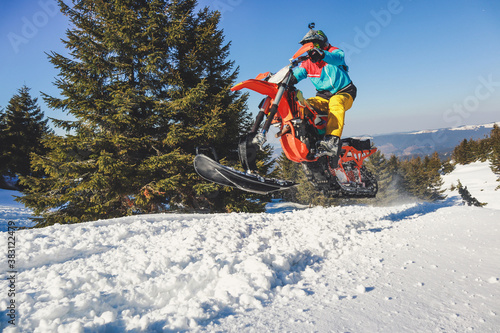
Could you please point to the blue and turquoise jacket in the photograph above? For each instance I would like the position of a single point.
(329, 74)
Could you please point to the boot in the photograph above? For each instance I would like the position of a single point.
(259, 139)
(330, 146)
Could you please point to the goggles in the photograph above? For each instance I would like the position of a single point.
(317, 45)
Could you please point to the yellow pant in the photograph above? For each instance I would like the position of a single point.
(336, 107)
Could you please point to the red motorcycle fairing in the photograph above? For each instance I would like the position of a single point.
(267, 89)
(262, 87)
(262, 76)
(295, 150)
(303, 49)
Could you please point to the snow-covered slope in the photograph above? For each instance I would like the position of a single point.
(480, 181)
(417, 267)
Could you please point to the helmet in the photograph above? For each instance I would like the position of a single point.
(315, 36)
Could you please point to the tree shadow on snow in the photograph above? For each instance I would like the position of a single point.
(420, 209)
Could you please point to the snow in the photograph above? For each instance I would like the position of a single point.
(411, 267)
(11, 210)
(480, 182)
(460, 128)
(423, 132)
(475, 127)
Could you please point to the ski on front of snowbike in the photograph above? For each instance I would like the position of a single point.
(227, 176)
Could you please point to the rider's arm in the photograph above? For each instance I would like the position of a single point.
(300, 73)
(336, 57)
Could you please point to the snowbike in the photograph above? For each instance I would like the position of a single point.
(300, 127)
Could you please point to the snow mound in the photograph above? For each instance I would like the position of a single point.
(174, 272)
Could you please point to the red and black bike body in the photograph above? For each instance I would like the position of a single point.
(300, 128)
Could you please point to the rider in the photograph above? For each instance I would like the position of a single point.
(327, 70)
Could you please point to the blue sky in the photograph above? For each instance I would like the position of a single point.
(417, 64)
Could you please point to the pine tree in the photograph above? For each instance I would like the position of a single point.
(467, 198)
(3, 150)
(483, 149)
(447, 167)
(305, 193)
(387, 175)
(432, 168)
(3, 133)
(286, 169)
(422, 178)
(465, 152)
(147, 82)
(22, 128)
(494, 156)
(414, 177)
(397, 180)
(474, 151)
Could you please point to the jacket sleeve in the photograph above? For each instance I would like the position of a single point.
(335, 57)
(300, 73)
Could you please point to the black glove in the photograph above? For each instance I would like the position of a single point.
(316, 54)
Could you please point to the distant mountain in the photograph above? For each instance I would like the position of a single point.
(426, 142)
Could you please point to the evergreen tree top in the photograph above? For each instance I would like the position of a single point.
(23, 114)
(23, 127)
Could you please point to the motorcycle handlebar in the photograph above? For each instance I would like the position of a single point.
(297, 61)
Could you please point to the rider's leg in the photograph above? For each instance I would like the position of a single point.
(318, 103)
(331, 144)
(337, 107)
